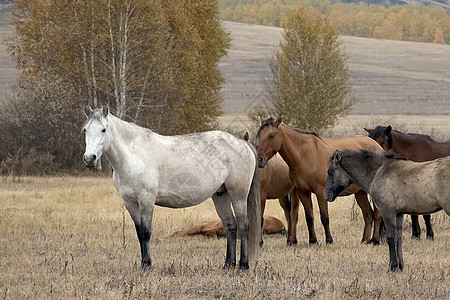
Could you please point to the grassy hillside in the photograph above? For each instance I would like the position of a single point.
(390, 77)
(432, 3)
(8, 73)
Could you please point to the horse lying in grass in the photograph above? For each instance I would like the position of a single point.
(271, 225)
(179, 171)
(307, 155)
(415, 147)
(398, 186)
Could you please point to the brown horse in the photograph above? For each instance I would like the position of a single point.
(307, 155)
(415, 147)
(271, 225)
(276, 184)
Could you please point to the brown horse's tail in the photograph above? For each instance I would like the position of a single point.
(254, 216)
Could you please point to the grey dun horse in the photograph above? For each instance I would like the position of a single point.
(397, 186)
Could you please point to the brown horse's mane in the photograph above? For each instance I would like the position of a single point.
(270, 122)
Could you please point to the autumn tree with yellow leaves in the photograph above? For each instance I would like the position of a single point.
(153, 62)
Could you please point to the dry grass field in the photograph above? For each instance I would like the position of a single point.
(70, 238)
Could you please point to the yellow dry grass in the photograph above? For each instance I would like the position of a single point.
(69, 237)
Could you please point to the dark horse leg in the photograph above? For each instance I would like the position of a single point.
(324, 217)
(367, 212)
(263, 208)
(285, 203)
(305, 197)
(400, 241)
(415, 227)
(430, 233)
(223, 208)
(390, 223)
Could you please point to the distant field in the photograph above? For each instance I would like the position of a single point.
(8, 73)
(389, 77)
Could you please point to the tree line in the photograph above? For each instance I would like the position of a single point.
(400, 22)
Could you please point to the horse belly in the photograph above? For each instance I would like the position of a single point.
(415, 201)
(183, 197)
(186, 191)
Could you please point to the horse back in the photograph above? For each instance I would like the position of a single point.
(313, 175)
(419, 147)
(412, 187)
(354, 143)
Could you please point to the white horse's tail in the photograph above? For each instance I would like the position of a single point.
(254, 216)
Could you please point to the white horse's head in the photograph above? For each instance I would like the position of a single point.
(96, 135)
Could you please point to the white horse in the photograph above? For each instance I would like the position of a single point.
(179, 171)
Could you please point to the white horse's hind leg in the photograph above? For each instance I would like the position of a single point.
(223, 208)
(240, 212)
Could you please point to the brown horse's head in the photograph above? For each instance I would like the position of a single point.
(268, 140)
(382, 135)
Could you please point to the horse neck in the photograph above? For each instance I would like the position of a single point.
(362, 172)
(121, 134)
(400, 142)
(292, 146)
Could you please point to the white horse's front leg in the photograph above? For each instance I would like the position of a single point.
(141, 212)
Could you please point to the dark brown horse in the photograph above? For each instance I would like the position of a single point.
(415, 147)
(307, 155)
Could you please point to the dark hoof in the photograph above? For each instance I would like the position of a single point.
(415, 236)
(145, 267)
(291, 242)
(313, 242)
(243, 266)
(229, 265)
(374, 242)
(396, 268)
(430, 237)
(329, 241)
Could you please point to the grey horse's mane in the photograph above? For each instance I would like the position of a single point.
(365, 154)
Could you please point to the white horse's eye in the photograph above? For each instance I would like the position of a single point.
(84, 129)
(104, 130)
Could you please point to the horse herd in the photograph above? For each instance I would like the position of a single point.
(286, 164)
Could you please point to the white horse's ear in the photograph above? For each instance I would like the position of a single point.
(246, 136)
(105, 110)
(388, 130)
(260, 120)
(87, 110)
(278, 121)
(369, 130)
(337, 156)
